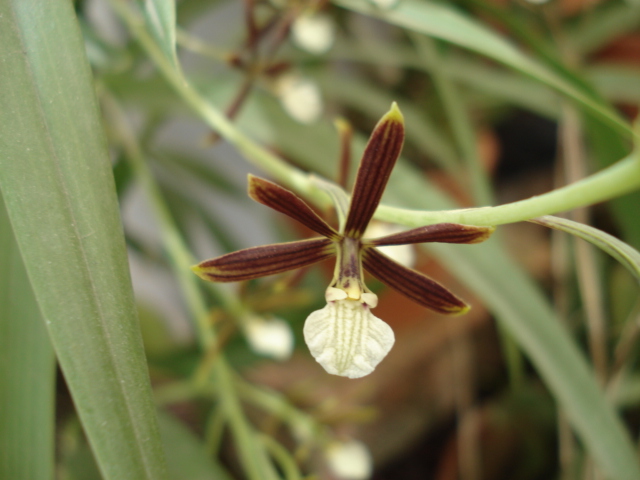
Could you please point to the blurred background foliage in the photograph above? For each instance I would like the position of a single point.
(502, 100)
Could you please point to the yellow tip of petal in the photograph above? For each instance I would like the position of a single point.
(394, 114)
(199, 271)
(460, 311)
(342, 125)
(488, 232)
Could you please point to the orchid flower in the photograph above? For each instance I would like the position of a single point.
(344, 336)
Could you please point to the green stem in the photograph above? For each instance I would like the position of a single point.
(214, 431)
(618, 179)
(282, 456)
(276, 404)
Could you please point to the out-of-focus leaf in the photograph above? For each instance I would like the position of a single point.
(184, 207)
(27, 371)
(609, 21)
(628, 256)
(626, 392)
(57, 183)
(608, 148)
(186, 456)
(499, 84)
(160, 17)
(191, 169)
(371, 100)
(445, 22)
(152, 94)
(618, 83)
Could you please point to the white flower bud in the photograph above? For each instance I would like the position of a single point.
(271, 337)
(347, 339)
(300, 97)
(313, 32)
(349, 460)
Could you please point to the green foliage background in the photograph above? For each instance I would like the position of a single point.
(65, 162)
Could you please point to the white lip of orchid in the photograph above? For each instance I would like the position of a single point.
(345, 337)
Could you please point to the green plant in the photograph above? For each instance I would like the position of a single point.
(64, 262)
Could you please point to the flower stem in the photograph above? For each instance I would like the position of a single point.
(618, 179)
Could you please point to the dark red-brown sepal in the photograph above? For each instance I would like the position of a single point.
(439, 232)
(380, 155)
(266, 260)
(284, 201)
(414, 285)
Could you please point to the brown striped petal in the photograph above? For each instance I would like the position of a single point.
(265, 260)
(416, 286)
(284, 201)
(440, 232)
(380, 155)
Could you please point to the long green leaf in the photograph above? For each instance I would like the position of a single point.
(160, 17)
(628, 256)
(57, 183)
(27, 371)
(449, 24)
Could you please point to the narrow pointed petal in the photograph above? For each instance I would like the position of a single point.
(284, 201)
(380, 155)
(258, 262)
(416, 286)
(440, 232)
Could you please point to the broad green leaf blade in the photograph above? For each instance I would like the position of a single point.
(27, 371)
(160, 17)
(58, 187)
(628, 256)
(449, 24)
